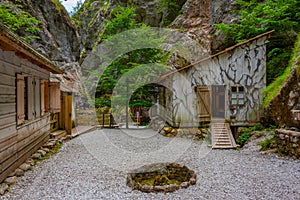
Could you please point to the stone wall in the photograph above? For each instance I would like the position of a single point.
(86, 117)
(287, 142)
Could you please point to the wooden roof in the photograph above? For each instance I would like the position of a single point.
(217, 54)
(9, 41)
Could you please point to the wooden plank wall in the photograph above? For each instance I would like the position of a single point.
(17, 143)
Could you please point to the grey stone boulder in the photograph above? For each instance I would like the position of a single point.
(10, 180)
(25, 166)
(36, 156)
(46, 150)
(30, 161)
(19, 172)
(42, 152)
(49, 145)
(3, 188)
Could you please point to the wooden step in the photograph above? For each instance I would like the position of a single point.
(221, 136)
(58, 134)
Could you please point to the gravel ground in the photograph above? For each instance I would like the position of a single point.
(94, 166)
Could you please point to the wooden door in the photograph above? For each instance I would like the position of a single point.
(218, 101)
(204, 108)
(67, 113)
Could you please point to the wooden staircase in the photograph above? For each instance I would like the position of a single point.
(221, 136)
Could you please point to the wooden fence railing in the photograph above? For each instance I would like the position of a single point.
(106, 120)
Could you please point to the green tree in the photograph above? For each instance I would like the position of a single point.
(123, 20)
(256, 17)
(169, 9)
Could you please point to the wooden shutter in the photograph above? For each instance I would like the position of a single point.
(20, 99)
(30, 98)
(42, 92)
(55, 104)
(204, 108)
(46, 102)
(37, 96)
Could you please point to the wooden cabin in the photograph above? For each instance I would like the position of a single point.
(24, 100)
(223, 90)
(62, 104)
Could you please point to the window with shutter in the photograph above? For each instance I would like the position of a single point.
(44, 93)
(54, 97)
(20, 99)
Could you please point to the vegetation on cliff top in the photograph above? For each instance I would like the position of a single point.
(257, 17)
(273, 89)
(19, 21)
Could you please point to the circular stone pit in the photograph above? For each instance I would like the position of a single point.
(161, 177)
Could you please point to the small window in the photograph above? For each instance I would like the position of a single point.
(237, 96)
(241, 89)
(233, 89)
(28, 98)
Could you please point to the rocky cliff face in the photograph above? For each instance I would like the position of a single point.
(64, 42)
(58, 36)
(197, 20)
(90, 18)
(283, 109)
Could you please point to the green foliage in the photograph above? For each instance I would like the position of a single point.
(52, 151)
(247, 133)
(170, 9)
(123, 20)
(256, 17)
(243, 138)
(18, 20)
(58, 6)
(273, 89)
(295, 61)
(268, 143)
(85, 8)
(76, 8)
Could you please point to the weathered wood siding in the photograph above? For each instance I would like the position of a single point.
(17, 143)
(244, 65)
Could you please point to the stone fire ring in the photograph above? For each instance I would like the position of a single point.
(185, 176)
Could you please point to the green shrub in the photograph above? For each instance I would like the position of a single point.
(243, 138)
(268, 143)
(19, 21)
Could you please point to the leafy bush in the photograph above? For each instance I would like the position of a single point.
(243, 138)
(170, 9)
(257, 17)
(247, 133)
(273, 89)
(18, 20)
(268, 143)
